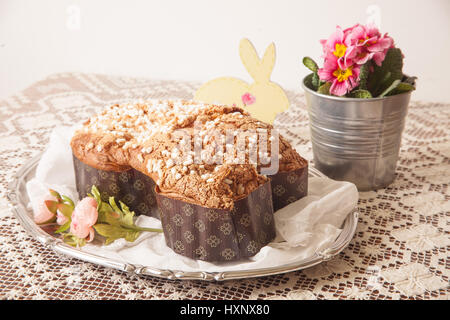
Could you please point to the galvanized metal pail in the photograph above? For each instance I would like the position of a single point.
(357, 140)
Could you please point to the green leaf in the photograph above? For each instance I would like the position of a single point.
(103, 209)
(113, 205)
(51, 205)
(410, 80)
(131, 235)
(70, 240)
(364, 73)
(360, 93)
(114, 232)
(325, 88)
(384, 82)
(390, 70)
(393, 62)
(310, 64)
(127, 216)
(390, 88)
(402, 87)
(315, 81)
(68, 201)
(73, 240)
(308, 82)
(95, 192)
(112, 218)
(63, 228)
(110, 231)
(96, 195)
(110, 240)
(66, 210)
(55, 194)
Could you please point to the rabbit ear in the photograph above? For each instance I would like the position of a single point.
(267, 62)
(260, 70)
(249, 57)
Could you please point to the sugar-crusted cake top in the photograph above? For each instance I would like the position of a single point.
(206, 154)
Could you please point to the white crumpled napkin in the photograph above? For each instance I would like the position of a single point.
(304, 227)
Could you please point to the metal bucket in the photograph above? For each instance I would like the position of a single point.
(357, 140)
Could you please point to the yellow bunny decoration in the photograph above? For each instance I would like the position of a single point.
(263, 98)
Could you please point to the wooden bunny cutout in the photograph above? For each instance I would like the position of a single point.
(263, 98)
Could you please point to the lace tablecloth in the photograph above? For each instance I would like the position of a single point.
(400, 249)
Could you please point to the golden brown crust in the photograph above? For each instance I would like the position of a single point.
(150, 138)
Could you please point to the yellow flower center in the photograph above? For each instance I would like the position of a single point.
(362, 40)
(339, 50)
(342, 75)
(368, 43)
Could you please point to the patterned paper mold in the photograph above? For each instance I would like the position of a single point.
(195, 231)
(131, 186)
(216, 234)
(288, 187)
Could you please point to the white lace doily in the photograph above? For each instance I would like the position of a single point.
(400, 250)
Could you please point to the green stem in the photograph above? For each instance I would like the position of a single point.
(136, 228)
(149, 229)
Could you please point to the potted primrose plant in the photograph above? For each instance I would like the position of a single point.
(357, 104)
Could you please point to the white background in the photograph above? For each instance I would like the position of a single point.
(198, 39)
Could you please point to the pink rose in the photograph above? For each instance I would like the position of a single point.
(41, 213)
(248, 98)
(84, 216)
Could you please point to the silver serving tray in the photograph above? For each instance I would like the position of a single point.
(19, 200)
